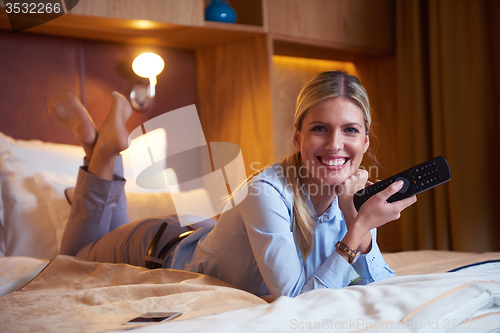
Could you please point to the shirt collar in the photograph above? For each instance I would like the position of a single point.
(332, 211)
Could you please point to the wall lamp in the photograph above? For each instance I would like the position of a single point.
(147, 65)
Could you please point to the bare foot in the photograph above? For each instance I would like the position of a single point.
(68, 109)
(112, 138)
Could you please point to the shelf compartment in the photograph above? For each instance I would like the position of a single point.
(249, 13)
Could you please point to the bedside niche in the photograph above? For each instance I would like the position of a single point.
(248, 12)
(289, 74)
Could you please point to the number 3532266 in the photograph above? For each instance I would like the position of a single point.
(33, 8)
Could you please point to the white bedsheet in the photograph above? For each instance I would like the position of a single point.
(464, 301)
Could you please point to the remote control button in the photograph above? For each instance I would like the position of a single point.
(406, 184)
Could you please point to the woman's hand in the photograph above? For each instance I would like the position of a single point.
(374, 213)
(345, 192)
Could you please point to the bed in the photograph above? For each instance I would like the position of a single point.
(43, 291)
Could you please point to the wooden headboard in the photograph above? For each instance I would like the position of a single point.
(34, 67)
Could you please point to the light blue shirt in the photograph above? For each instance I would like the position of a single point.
(252, 246)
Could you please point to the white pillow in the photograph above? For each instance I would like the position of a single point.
(24, 216)
(27, 226)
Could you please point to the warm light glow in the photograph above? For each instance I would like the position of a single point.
(144, 24)
(308, 65)
(148, 65)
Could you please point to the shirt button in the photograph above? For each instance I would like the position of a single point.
(373, 259)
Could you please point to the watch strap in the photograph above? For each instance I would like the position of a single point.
(351, 254)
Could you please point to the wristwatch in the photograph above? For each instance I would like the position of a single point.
(350, 253)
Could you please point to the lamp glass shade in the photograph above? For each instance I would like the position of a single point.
(148, 65)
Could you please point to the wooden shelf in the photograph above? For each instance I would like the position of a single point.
(141, 31)
(302, 47)
(350, 34)
(234, 27)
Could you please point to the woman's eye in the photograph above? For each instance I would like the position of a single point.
(318, 129)
(351, 130)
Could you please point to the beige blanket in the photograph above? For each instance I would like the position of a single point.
(71, 295)
(78, 296)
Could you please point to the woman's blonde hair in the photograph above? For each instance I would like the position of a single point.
(326, 85)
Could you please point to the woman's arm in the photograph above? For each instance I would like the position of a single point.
(268, 222)
(345, 193)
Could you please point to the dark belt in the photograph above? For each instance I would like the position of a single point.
(157, 262)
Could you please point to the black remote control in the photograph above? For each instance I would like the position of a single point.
(415, 180)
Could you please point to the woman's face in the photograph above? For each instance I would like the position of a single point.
(332, 140)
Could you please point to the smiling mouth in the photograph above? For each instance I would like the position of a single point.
(333, 161)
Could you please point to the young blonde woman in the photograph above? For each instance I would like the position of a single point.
(296, 230)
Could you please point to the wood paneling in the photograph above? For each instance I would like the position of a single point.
(366, 24)
(89, 69)
(188, 12)
(26, 84)
(235, 98)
